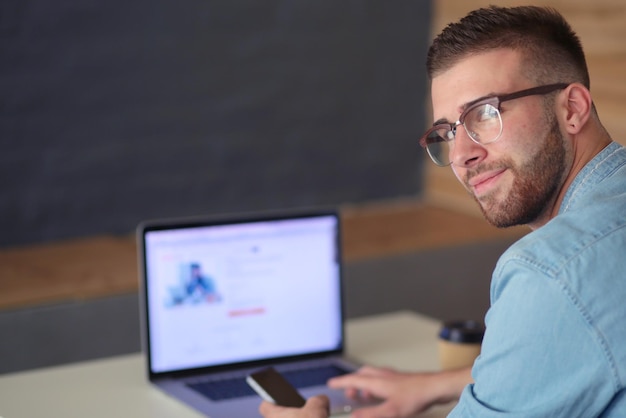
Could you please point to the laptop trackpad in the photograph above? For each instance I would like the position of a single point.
(339, 403)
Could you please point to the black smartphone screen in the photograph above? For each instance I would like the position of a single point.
(273, 387)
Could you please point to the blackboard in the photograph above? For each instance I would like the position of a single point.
(117, 111)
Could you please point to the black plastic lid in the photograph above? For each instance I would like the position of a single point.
(462, 332)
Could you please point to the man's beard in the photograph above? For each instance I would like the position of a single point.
(534, 186)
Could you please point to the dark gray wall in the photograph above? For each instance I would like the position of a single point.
(117, 111)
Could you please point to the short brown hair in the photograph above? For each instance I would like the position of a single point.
(551, 49)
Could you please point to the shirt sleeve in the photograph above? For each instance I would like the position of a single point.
(541, 355)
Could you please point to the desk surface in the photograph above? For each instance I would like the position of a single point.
(117, 387)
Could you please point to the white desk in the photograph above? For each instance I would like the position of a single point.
(117, 387)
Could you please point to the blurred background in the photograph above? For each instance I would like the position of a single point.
(114, 113)
(120, 112)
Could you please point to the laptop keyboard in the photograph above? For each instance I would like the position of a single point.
(217, 390)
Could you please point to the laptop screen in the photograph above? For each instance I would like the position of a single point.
(225, 293)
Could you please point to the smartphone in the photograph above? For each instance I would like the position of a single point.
(273, 387)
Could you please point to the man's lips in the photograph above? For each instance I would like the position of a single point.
(482, 181)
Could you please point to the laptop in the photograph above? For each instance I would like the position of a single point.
(223, 297)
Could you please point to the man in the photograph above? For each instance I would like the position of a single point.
(200, 288)
(530, 148)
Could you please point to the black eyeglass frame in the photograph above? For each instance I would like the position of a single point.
(494, 101)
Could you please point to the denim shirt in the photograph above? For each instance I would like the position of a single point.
(555, 344)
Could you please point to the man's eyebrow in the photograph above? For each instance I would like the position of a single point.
(444, 121)
(480, 99)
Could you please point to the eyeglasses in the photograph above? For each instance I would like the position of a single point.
(481, 120)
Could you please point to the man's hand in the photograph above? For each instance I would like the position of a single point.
(315, 407)
(402, 394)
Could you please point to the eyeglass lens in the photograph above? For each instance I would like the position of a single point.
(482, 123)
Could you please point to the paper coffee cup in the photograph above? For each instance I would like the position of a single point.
(459, 343)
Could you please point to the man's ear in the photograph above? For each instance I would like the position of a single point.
(576, 107)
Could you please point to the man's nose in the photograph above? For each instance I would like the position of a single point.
(465, 151)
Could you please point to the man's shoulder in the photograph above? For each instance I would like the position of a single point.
(601, 181)
(595, 232)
